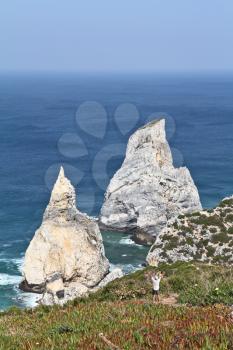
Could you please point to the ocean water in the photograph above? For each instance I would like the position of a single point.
(50, 119)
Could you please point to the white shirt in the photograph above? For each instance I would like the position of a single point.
(156, 281)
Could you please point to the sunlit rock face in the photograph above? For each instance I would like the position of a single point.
(66, 257)
(148, 191)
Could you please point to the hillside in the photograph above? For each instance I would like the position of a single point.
(122, 315)
(205, 236)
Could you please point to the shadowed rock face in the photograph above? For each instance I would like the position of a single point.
(66, 256)
(148, 191)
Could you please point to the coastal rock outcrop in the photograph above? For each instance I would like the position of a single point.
(205, 236)
(66, 257)
(148, 191)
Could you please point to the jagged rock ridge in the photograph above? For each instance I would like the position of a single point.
(204, 236)
(148, 191)
(66, 257)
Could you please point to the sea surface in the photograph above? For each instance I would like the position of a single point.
(83, 122)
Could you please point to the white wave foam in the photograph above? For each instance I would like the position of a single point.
(6, 279)
(20, 240)
(6, 245)
(29, 300)
(19, 263)
(95, 218)
(25, 299)
(128, 241)
(126, 268)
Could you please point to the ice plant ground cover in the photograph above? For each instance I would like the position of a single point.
(122, 316)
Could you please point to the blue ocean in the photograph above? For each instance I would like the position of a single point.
(83, 122)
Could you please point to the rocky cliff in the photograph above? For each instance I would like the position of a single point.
(148, 191)
(65, 258)
(204, 236)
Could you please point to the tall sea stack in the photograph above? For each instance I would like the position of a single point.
(148, 191)
(66, 257)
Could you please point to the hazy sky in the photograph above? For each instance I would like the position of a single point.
(116, 35)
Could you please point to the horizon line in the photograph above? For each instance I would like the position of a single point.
(123, 71)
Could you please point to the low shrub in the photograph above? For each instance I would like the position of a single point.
(171, 243)
(210, 250)
(226, 203)
(220, 238)
(213, 220)
(229, 218)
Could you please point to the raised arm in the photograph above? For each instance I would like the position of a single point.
(152, 278)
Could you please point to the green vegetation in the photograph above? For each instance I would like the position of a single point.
(226, 203)
(213, 229)
(229, 218)
(171, 243)
(175, 225)
(210, 250)
(189, 241)
(206, 230)
(124, 313)
(185, 229)
(220, 238)
(206, 221)
(190, 215)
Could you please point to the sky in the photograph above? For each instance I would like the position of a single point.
(120, 35)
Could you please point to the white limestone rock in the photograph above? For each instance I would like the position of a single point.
(148, 191)
(113, 275)
(71, 291)
(66, 256)
(75, 289)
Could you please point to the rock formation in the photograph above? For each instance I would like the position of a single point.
(148, 191)
(65, 258)
(204, 236)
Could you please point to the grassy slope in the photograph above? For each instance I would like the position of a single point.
(124, 313)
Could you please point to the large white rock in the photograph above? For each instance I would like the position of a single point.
(66, 256)
(148, 191)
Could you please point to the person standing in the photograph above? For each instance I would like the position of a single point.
(156, 286)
